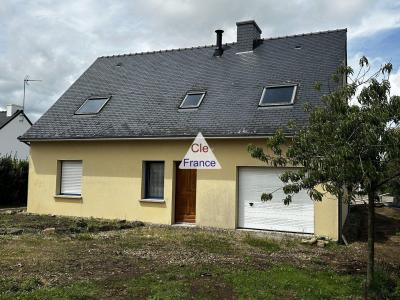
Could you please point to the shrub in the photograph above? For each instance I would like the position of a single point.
(13, 181)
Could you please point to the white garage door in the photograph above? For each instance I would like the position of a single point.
(298, 216)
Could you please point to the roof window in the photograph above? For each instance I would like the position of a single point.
(278, 95)
(92, 105)
(192, 100)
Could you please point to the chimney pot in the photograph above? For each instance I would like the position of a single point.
(219, 50)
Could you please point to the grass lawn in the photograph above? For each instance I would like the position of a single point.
(93, 259)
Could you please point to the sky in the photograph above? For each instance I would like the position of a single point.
(56, 41)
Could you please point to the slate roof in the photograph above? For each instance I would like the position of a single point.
(147, 89)
(3, 118)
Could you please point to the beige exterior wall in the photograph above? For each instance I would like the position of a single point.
(112, 182)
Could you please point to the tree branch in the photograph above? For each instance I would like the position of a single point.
(388, 179)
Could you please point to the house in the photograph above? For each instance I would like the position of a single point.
(13, 123)
(110, 147)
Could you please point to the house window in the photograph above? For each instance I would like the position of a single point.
(92, 106)
(154, 180)
(278, 95)
(192, 100)
(70, 177)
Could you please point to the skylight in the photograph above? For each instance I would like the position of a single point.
(192, 100)
(92, 105)
(278, 95)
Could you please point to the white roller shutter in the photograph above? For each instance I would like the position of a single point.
(271, 215)
(71, 177)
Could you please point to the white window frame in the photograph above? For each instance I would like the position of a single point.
(203, 93)
(60, 187)
(93, 98)
(260, 104)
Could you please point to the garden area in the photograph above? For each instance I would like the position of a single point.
(50, 257)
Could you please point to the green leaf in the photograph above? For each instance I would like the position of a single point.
(266, 197)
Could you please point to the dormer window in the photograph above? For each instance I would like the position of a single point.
(92, 105)
(278, 95)
(192, 100)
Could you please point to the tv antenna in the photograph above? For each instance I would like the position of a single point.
(26, 82)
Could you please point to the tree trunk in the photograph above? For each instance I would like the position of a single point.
(371, 239)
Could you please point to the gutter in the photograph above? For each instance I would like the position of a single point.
(142, 138)
(26, 143)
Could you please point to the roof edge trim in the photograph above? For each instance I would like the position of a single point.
(22, 139)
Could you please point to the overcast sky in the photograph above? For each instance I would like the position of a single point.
(56, 41)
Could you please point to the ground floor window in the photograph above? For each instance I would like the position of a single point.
(70, 177)
(154, 180)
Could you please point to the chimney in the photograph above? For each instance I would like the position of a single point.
(248, 35)
(12, 109)
(219, 50)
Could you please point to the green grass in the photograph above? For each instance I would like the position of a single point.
(281, 282)
(186, 282)
(385, 286)
(31, 290)
(278, 282)
(152, 262)
(396, 292)
(265, 244)
(160, 285)
(27, 285)
(208, 242)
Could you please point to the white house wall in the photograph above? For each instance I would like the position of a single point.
(9, 144)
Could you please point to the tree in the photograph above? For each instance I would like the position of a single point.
(346, 147)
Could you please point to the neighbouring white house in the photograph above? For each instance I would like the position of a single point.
(13, 123)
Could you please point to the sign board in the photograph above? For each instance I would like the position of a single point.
(199, 156)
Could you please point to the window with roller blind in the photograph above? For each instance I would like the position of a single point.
(70, 177)
(154, 180)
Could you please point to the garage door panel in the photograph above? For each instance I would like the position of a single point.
(272, 215)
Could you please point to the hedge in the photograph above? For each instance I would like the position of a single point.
(13, 181)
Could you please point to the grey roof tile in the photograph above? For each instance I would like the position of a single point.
(147, 89)
(3, 118)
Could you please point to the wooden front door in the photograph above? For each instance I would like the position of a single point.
(185, 195)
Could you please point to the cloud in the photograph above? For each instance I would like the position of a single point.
(57, 40)
(395, 83)
(376, 23)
